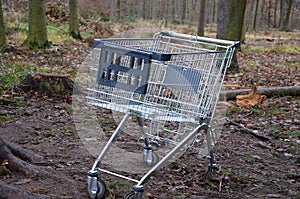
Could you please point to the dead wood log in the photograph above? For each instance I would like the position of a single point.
(269, 92)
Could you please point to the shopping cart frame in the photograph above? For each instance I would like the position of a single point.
(95, 185)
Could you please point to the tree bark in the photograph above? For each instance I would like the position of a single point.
(255, 15)
(37, 31)
(201, 21)
(269, 92)
(112, 12)
(2, 28)
(74, 25)
(285, 25)
(231, 14)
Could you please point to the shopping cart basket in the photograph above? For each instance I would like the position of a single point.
(170, 83)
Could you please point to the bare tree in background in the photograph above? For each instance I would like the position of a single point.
(2, 28)
(286, 21)
(201, 21)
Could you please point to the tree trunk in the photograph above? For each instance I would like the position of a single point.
(37, 31)
(262, 13)
(74, 25)
(166, 14)
(285, 25)
(231, 19)
(281, 13)
(275, 14)
(182, 10)
(269, 13)
(2, 29)
(118, 9)
(112, 12)
(255, 15)
(231, 14)
(201, 21)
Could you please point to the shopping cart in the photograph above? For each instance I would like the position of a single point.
(170, 83)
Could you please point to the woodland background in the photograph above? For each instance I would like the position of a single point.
(41, 154)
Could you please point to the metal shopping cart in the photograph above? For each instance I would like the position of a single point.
(170, 83)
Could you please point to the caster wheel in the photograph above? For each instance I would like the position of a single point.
(101, 190)
(151, 159)
(130, 195)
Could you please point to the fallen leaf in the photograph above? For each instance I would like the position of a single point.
(251, 99)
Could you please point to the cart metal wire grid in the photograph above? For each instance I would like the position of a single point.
(170, 83)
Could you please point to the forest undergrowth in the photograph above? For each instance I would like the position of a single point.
(248, 167)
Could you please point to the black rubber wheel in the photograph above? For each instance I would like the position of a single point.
(101, 189)
(130, 195)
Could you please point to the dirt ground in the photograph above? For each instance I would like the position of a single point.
(248, 166)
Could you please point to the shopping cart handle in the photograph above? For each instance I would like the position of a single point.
(204, 39)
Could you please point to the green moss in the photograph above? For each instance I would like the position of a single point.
(284, 49)
(69, 128)
(48, 133)
(4, 118)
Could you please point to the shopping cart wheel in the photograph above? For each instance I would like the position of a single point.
(101, 189)
(150, 158)
(130, 195)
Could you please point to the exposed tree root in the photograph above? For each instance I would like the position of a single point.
(18, 160)
(11, 192)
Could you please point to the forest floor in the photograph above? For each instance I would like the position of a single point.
(248, 167)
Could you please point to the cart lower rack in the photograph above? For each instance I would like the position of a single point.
(170, 83)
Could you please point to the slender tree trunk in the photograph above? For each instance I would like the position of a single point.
(154, 10)
(262, 13)
(144, 9)
(269, 13)
(112, 12)
(281, 13)
(74, 25)
(285, 25)
(37, 30)
(275, 14)
(166, 14)
(173, 9)
(2, 28)
(255, 15)
(201, 21)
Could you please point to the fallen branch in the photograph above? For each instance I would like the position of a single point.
(269, 92)
(252, 132)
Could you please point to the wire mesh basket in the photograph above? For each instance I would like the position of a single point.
(171, 81)
(164, 78)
